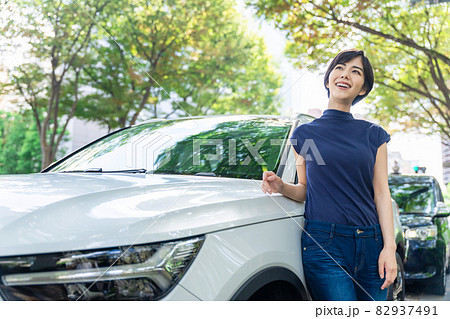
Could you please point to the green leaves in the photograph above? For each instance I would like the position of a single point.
(197, 57)
(406, 44)
(168, 58)
(20, 150)
(54, 36)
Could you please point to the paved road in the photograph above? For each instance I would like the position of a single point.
(419, 292)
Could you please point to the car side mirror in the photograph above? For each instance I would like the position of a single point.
(441, 205)
(440, 208)
(440, 215)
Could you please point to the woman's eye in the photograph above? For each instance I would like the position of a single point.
(357, 72)
(338, 68)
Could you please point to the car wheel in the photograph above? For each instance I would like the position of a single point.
(396, 291)
(447, 270)
(440, 283)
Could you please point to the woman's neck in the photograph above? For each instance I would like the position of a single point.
(339, 106)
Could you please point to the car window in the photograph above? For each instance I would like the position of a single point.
(439, 193)
(225, 146)
(413, 197)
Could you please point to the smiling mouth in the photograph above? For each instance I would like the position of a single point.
(343, 85)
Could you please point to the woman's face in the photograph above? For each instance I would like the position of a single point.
(346, 80)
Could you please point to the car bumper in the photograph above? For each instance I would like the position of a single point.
(230, 260)
(178, 293)
(424, 259)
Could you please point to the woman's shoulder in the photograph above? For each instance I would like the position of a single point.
(314, 123)
(376, 132)
(369, 124)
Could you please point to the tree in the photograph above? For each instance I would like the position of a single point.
(407, 44)
(19, 144)
(196, 56)
(115, 88)
(57, 33)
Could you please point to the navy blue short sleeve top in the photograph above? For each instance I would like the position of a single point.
(340, 153)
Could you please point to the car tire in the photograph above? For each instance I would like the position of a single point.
(447, 269)
(396, 291)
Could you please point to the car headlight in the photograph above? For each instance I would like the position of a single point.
(421, 233)
(144, 272)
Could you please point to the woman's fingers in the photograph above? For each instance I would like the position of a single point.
(265, 187)
(381, 268)
(387, 268)
(267, 190)
(267, 179)
(266, 174)
(271, 182)
(391, 274)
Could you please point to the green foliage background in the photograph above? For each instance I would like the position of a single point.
(19, 144)
(120, 62)
(407, 43)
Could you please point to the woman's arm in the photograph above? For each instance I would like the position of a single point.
(387, 265)
(273, 184)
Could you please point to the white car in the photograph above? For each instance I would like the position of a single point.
(164, 210)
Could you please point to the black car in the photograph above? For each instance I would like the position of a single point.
(425, 221)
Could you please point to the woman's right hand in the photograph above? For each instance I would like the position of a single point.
(271, 183)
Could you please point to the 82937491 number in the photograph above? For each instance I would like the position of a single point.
(406, 310)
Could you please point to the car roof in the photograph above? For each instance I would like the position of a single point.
(235, 116)
(416, 177)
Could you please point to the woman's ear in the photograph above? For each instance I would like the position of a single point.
(362, 91)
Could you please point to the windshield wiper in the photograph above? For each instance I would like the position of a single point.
(205, 174)
(100, 170)
(414, 212)
(418, 192)
(182, 173)
(132, 171)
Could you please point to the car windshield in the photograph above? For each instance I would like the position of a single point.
(240, 147)
(413, 197)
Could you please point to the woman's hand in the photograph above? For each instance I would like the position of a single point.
(387, 266)
(271, 183)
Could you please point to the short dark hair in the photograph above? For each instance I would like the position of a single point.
(344, 57)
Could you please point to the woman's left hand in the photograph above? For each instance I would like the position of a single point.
(387, 267)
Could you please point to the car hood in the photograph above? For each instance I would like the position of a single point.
(412, 220)
(41, 213)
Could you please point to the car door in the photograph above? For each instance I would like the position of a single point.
(443, 223)
(287, 169)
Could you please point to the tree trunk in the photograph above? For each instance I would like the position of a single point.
(48, 156)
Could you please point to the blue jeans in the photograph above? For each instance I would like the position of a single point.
(345, 265)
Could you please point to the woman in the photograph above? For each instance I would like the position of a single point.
(348, 246)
